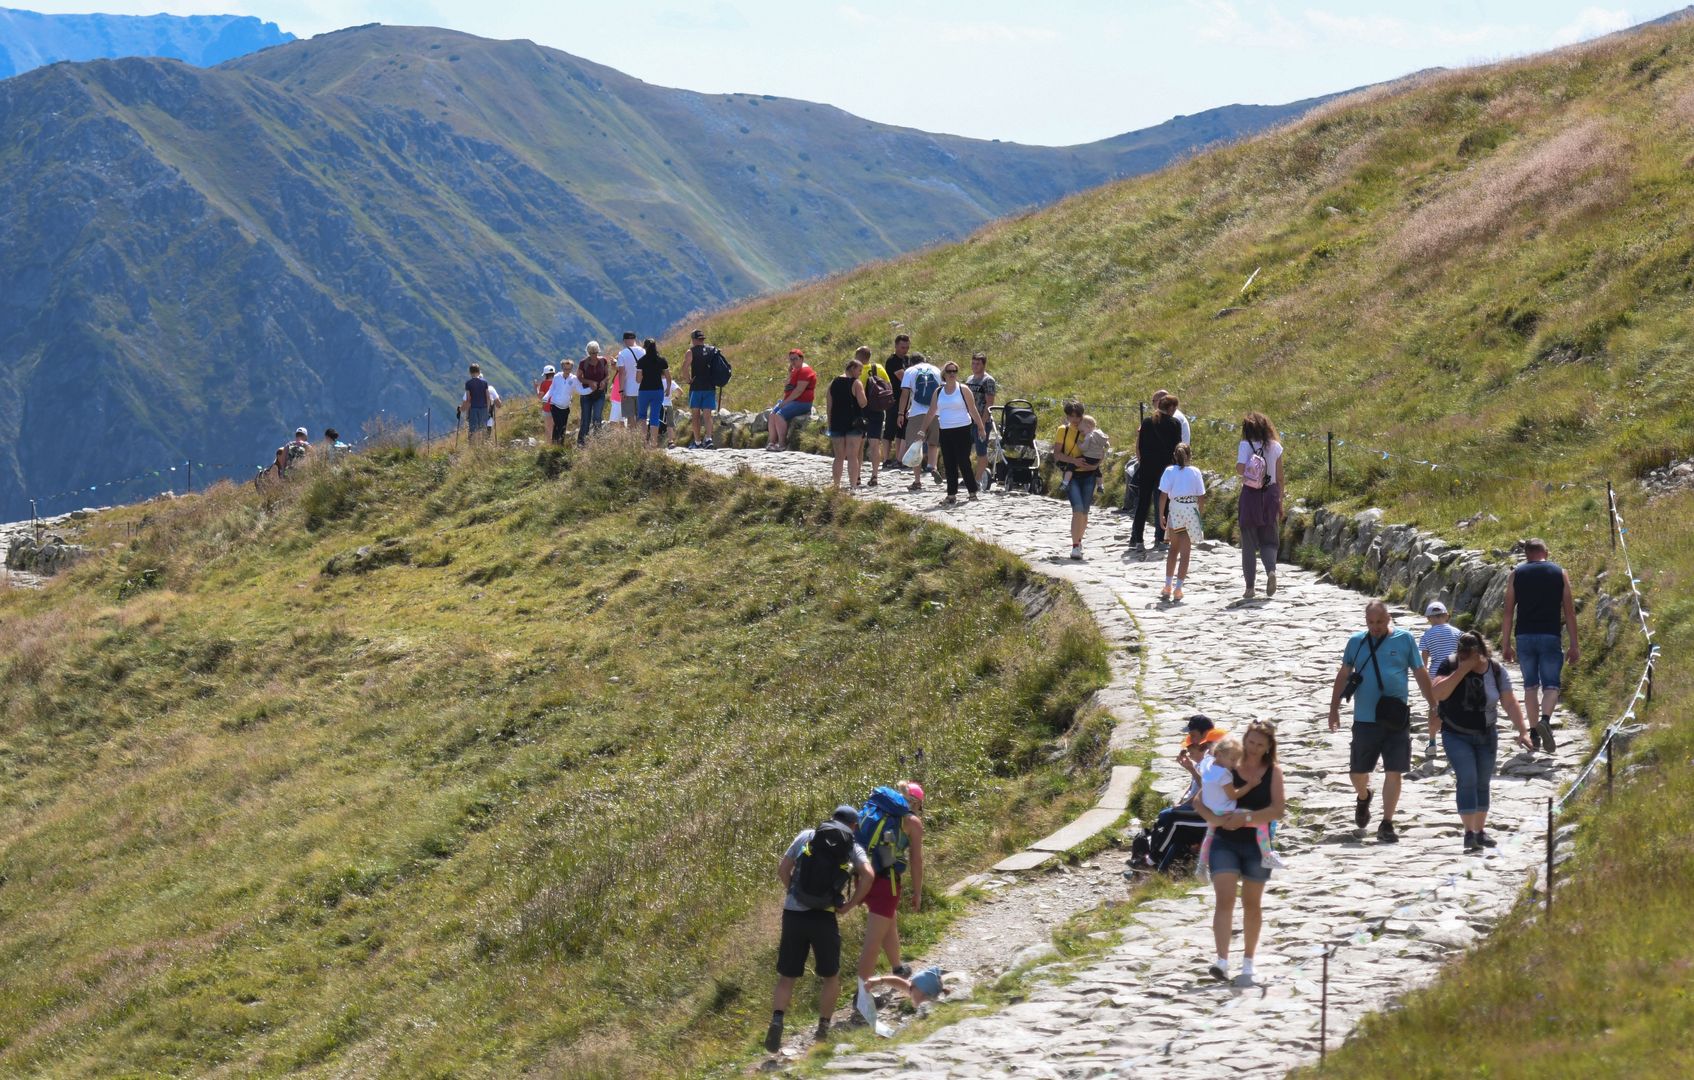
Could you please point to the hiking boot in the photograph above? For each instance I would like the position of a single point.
(1176, 594)
(1483, 840)
(1361, 810)
(1544, 728)
(773, 1035)
(822, 1033)
(1165, 593)
(1385, 833)
(1270, 584)
(1470, 842)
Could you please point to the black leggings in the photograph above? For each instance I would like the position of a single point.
(561, 424)
(956, 445)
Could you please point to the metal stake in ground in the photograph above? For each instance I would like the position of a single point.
(1612, 513)
(1323, 1009)
(1331, 450)
(1549, 858)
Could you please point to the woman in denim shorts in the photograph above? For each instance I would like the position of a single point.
(1235, 857)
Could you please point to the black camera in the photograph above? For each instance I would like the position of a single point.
(1353, 682)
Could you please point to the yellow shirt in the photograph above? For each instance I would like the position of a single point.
(873, 368)
(1068, 441)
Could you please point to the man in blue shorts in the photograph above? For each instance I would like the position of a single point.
(1383, 659)
(1539, 604)
(702, 392)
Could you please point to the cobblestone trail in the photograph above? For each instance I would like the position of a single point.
(1145, 1007)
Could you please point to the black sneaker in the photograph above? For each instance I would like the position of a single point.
(1361, 810)
(904, 971)
(1483, 840)
(773, 1035)
(1545, 730)
(822, 1033)
(709, 445)
(1385, 833)
(1535, 736)
(1470, 842)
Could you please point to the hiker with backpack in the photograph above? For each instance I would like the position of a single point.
(595, 373)
(880, 404)
(1376, 669)
(918, 386)
(1155, 447)
(293, 452)
(630, 381)
(825, 873)
(1470, 690)
(846, 424)
(891, 832)
(1258, 461)
(796, 399)
(894, 427)
(707, 372)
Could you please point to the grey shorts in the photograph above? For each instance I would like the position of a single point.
(629, 407)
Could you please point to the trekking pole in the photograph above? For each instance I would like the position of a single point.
(1323, 1009)
(1612, 513)
(35, 523)
(1549, 858)
(1608, 768)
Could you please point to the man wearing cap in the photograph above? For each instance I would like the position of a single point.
(814, 931)
(630, 378)
(702, 392)
(796, 399)
(1179, 828)
(293, 452)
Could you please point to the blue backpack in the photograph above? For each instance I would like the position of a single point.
(879, 831)
(924, 386)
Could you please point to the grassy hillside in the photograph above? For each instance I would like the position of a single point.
(505, 792)
(1491, 270)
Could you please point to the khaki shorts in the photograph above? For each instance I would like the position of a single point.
(932, 437)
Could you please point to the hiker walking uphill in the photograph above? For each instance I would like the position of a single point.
(796, 400)
(1471, 688)
(1375, 669)
(1539, 604)
(564, 389)
(706, 372)
(1258, 461)
(891, 832)
(595, 373)
(825, 873)
(918, 384)
(1155, 447)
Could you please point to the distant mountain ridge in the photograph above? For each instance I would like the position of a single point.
(29, 39)
(193, 261)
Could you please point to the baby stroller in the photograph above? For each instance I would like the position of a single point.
(1011, 449)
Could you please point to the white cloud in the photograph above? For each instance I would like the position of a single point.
(1592, 22)
(1222, 21)
(992, 33)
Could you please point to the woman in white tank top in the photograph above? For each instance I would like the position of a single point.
(956, 415)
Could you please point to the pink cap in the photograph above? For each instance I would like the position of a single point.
(914, 791)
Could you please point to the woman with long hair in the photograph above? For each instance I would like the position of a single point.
(1470, 689)
(846, 425)
(1182, 497)
(1235, 860)
(1258, 461)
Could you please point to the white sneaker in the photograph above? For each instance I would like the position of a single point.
(1076, 551)
(1274, 861)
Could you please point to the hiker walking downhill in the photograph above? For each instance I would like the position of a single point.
(825, 874)
(984, 388)
(1155, 446)
(1182, 494)
(564, 389)
(650, 369)
(958, 420)
(595, 373)
(891, 832)
(881, 403)
(1235, 858)
(1539, 604)
(1258, 461)
(796, 400)
(1470, 688)
(846, 424)
(1376, 667)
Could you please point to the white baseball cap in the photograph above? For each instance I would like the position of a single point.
(548, 370)
(1435, 607)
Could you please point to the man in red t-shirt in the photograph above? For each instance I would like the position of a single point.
(796, 399)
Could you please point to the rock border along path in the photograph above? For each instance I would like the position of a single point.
(1394, 912)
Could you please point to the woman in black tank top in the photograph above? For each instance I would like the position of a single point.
(1235, 860)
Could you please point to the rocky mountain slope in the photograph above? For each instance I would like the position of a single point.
(29, 39)
(194, 261)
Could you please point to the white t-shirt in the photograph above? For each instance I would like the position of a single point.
(1180, 480)
(1272, 452)
(627, 356)
(1183, 420)
(909, 381)
(1213, 778)
(563, 390)
(668, 387)
(954, 412)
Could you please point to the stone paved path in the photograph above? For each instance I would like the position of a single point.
(1146, 1008)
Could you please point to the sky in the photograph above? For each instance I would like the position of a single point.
(1055, 73)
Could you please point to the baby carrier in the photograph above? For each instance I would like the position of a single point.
(1016, 461)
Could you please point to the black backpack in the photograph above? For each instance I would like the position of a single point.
(717, 366)
(825, 868)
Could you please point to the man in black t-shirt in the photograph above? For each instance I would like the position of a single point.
(896, 433)
(702, 394)
(1155, 449)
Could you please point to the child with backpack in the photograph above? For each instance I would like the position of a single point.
(826, 873)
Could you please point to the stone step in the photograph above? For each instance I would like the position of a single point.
(1084, 828)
